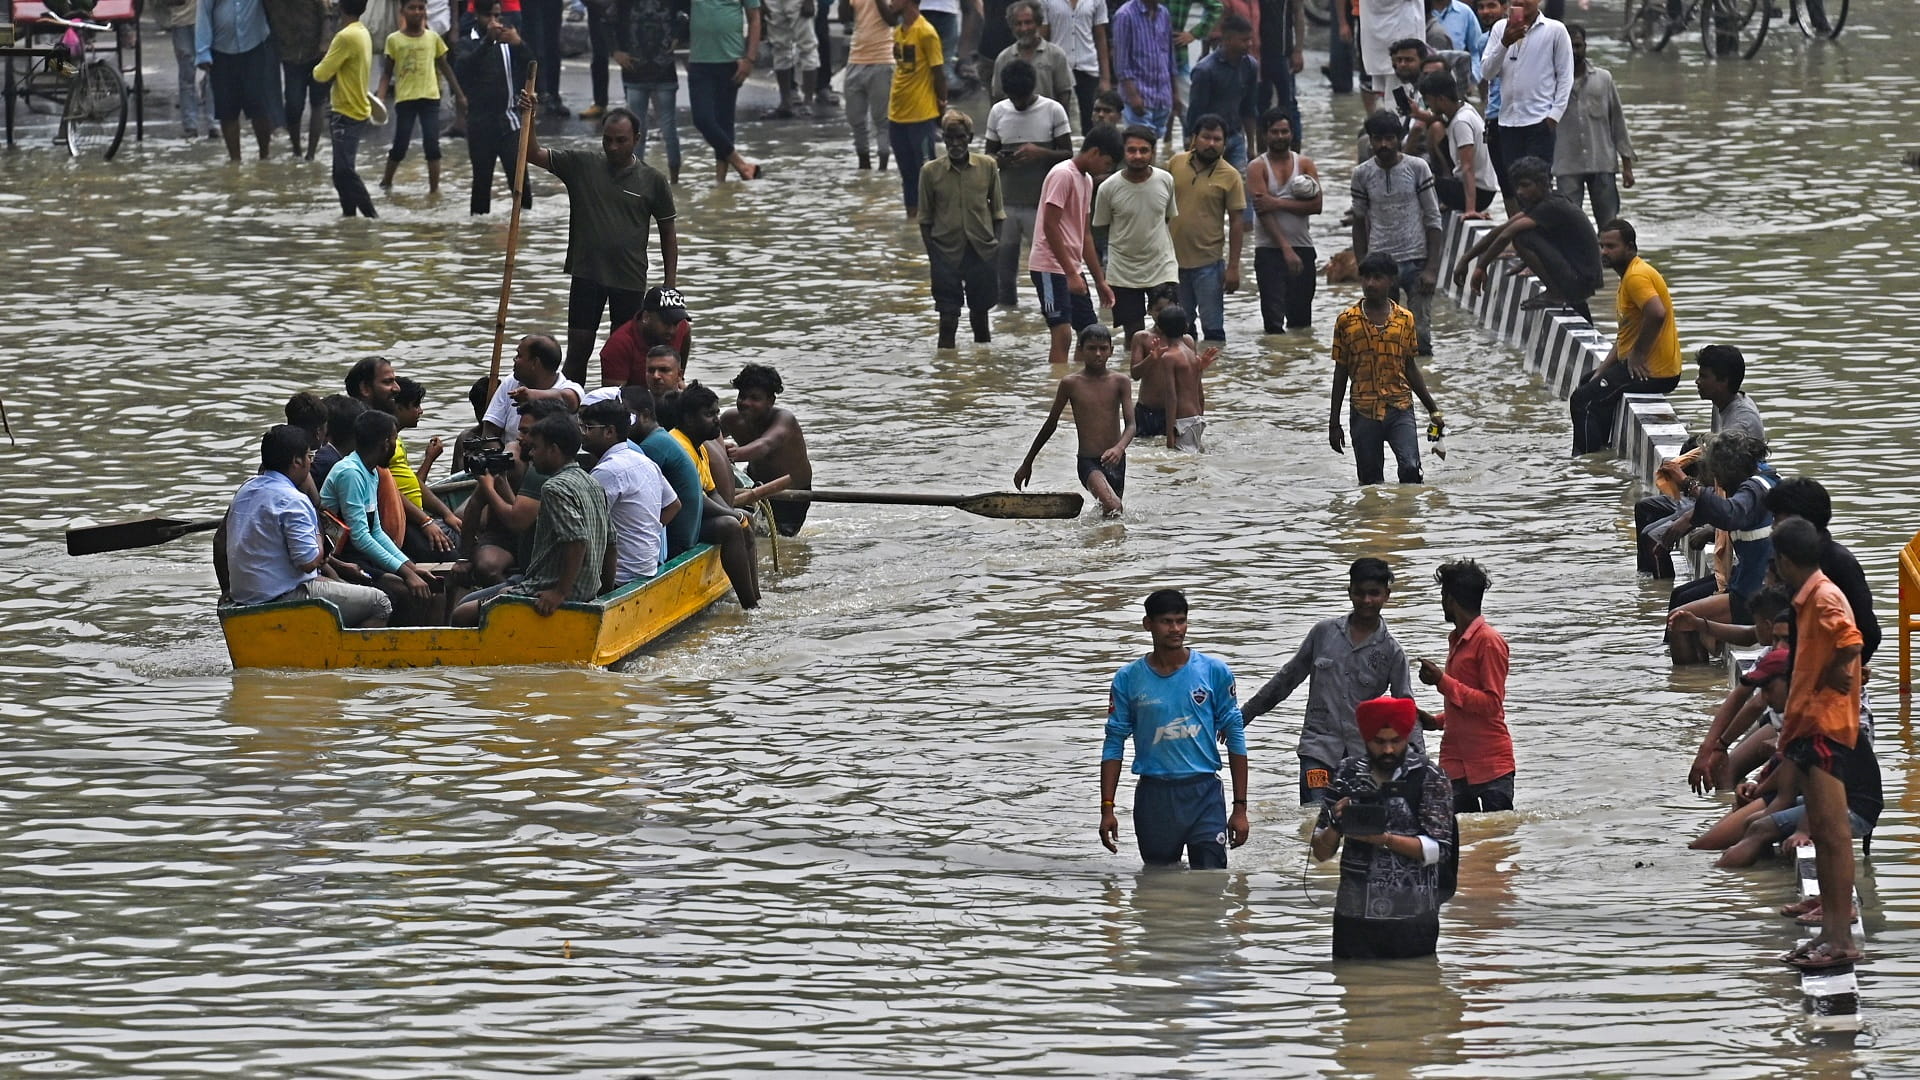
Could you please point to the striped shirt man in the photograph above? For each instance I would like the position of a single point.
(1143, 54)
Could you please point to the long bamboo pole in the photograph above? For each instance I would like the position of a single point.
(513, 236)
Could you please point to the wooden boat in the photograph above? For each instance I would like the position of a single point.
(308, 633)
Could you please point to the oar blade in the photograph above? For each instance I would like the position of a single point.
(1023, 504)
(132, 534)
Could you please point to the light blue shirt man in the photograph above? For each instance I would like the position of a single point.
(228, 26)
(1175, 721)
(1463, 26)
(353, 493)
(272, 532)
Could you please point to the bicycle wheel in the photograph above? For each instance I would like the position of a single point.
(1734, 27)
(1319, 12)
(1835, 13)
(1648, 25)
(96, 113)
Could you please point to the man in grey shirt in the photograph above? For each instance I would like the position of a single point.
(1396, 212)
(1052, 71)
(1351, 659)
(1659, 520)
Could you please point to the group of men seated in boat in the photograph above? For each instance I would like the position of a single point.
(576, 493)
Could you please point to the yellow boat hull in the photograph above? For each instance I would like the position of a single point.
(308, 634)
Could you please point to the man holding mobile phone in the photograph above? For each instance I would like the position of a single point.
(1532, 56)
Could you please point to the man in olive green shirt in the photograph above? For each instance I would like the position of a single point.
(612, 197)
(1206, 191)
(960, 214)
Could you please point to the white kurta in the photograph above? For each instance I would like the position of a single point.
(1383, 22)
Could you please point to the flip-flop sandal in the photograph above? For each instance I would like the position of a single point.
(1794, 911)
(1822, 957)
(1814, 918)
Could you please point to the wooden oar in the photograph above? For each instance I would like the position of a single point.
(133, 534)
(755, 494)
(993, 504)
(5, 424)
(513, 238)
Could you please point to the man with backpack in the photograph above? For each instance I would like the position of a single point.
(1395, 810)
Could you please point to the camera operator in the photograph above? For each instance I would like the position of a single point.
(1396, 812)
(508, 495)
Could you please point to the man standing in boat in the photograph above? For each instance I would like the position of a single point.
(1177, 705)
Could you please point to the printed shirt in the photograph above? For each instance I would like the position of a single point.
(683, 476)
(1202, 200)
(1535, 72)
(1378, 884)
(272, 530)
(608, 216)
(636, 493)
(1477, 747)
(1012, 127)
(1344, 675)
(643, 29)
(1143, 52)
(573, 508)
(1064, 196)
(233, 27)
(916, 52)
(415, 77)
(962, 208)
(1399, 205)
(352, 493)
(348, 62)
(1375, 359)
(1175, 721)
(1639, 284)
(1823, 625)
(1070, 25)
(1139, 244)
(717, 31)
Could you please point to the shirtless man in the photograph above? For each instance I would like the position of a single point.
(1172, 354)
(1102, 416)
(1148, 373)
(767, 438)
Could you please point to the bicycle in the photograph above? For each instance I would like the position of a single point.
(1727, 27)
(85, 91)
(1822, 18)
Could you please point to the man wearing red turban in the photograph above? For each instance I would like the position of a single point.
(1395, 809)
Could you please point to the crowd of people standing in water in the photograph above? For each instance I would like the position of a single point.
(582, 491)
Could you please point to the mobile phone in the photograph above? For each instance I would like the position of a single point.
(1401, 99)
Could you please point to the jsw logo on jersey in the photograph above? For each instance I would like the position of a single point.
(1179, 729)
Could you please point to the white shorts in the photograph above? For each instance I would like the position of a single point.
(1189, 432)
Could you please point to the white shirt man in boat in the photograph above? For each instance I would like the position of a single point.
(639, 499)
(767, 440)
(273, 547)
(536, 375)
(573, 548)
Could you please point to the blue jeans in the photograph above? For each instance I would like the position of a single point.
(1155, 118)
(1236, 153)
(913, 146)
(948, 27)
(196, 106)
(1420, 303)
(710, 98)
(1203, 294)
(661, 97)
(302, 91)
(1371, 437)
(346, 135)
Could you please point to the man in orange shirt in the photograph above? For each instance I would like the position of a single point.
(1819, 734)
(1477, 752)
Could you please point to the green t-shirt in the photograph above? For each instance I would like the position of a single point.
(717, 31)
(609, 215)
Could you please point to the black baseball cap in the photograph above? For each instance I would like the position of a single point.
(666, 303)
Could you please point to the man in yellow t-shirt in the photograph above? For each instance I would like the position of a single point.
(918, 96)
(1645, 358)
(348, 65)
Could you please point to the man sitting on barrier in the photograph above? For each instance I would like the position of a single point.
(1551, 236)
(1659, 521)
(1645, 358)
(1731, 499)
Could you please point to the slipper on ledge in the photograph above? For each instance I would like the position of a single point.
(1815, 918)
(1794, 911)
(1822, 957)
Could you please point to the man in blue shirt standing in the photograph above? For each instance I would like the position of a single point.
(1178, 706)
(231, 43)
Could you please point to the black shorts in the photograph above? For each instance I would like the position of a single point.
(789, 516)
(1130, 305)
(586, 300)
(1495, 794)
(1384, 939)
(1149, 422)
(1819, 752)
(1187, 812)
(1116, 474)
(247, 82)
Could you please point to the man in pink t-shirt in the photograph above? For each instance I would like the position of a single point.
(1063, 240)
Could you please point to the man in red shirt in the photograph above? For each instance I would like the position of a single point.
(662, 321)
(1820, 732)
(1477, 752)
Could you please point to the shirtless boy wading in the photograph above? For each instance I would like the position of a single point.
(1102, 415)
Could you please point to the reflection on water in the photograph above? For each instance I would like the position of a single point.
(853, 834)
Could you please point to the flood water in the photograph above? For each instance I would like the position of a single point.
(852, 834)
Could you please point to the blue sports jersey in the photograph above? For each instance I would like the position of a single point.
(1175, 720)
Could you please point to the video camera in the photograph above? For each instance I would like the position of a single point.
(488, 456)
(1366, 812)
